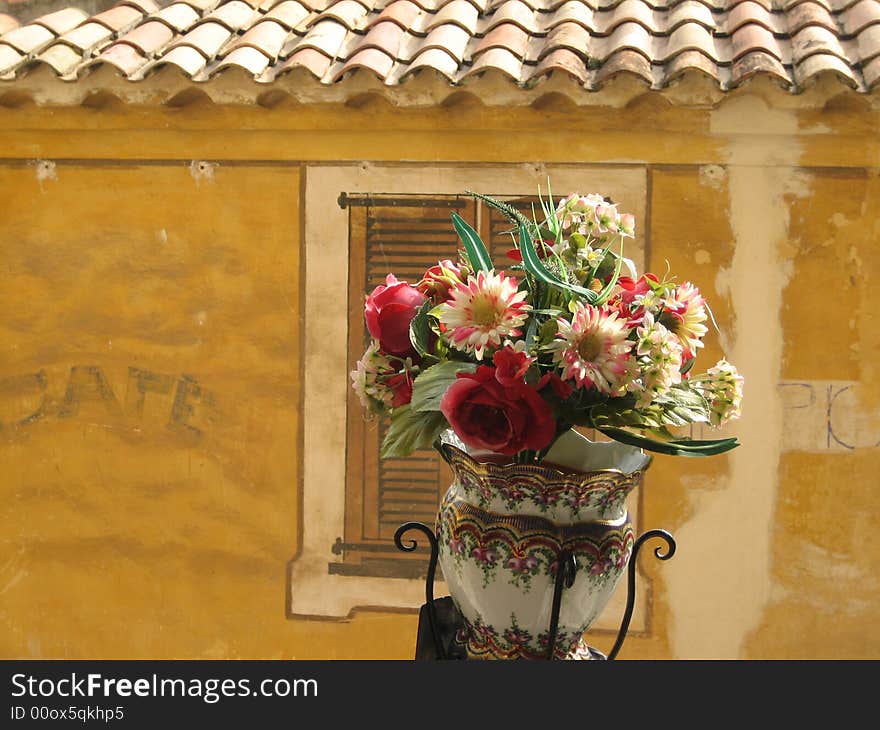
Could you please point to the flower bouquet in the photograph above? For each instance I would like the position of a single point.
(566, 335)
(495, 367)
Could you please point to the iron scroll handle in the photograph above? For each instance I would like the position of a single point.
(566, 571)
(429, 582)
(631, 580)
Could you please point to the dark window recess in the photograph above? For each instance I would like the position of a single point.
(403, 235)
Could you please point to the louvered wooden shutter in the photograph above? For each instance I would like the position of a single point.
(403, 236)
(495, 229)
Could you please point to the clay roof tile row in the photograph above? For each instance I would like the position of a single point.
(591, 41)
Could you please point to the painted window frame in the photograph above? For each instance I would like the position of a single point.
(314, 591)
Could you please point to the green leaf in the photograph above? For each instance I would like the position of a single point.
(476, 251)
(410, 431)
(606, 290)
(420, 329)
(679, 447)
(531, 331)
(533, 265)
(681, 405)
(429, 386)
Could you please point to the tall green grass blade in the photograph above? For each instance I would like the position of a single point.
(473, 246)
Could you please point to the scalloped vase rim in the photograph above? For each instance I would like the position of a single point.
(572, 452)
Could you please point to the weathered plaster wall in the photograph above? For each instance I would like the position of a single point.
(150, 371)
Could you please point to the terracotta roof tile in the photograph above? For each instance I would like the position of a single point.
(62, 21)
(872, 73)
(28, 38)
(289, 13)
(250, 59)
(385, 36)
(629, 11)
(434, 58)
(625, 62)
(458, 12)
(179, 16)
(203, 6)
(573, 11)
(119, 17)
(326, 36)
(497, 59)
(508, 36)
(9, 59)
(815, 39)
(571, 36)
(148, 38)
(348, 12)
(124, 57)
(860, 16)
(805, 71)
(753, 37)
(565, 61)
(694, 60)
(207, 39)
(516, 12)
(629, 36)
(868, 43)
(689, 11)
(307, 58)
(234, 14)
(750, 12)
(757, 62)
(146, 6)
(186, 58)
(267, 37)
(87, 36)
(7, 23)
(589, 41)
(807, 14)
(693, 37)
(406, 14)
(62, 58)
(370, 59)
(450, 38)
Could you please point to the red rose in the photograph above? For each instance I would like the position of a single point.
(511, 366)
(401, 386)
(559, 386)
(388, 311)
(487, 415)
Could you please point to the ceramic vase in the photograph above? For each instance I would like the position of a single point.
(501, 530)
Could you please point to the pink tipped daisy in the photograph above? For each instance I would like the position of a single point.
(483, 311)
(686, 312)
(593, 350)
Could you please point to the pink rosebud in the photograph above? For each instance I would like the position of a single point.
(439, 280)
(388, 311)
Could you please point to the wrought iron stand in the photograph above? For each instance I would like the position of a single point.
(442, 619)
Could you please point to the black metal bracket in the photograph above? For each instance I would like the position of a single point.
(565, 576)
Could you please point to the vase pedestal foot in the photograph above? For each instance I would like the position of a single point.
(450, 624)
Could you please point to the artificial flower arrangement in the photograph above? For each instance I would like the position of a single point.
(510, 359)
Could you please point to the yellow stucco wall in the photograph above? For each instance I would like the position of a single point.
(151, 368)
